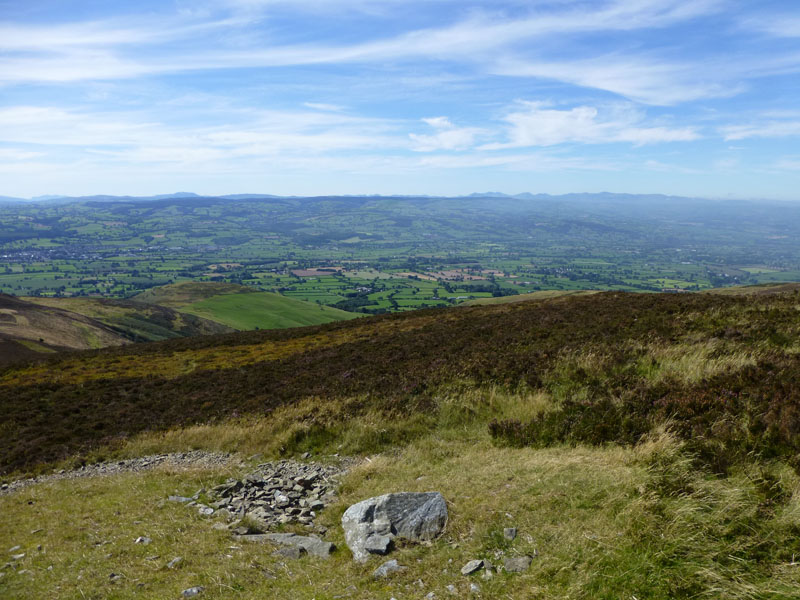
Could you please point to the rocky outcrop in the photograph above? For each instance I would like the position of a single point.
(371, 525)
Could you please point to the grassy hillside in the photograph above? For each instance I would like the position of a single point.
(136, 321)
(178, 295)
(242, 308)
(644, 445)
(27, 330)
(541, 295)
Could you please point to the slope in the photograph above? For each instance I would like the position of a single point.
(28, 329)
(541, 295)
(241, 307)
(136, 321)
(642, 445)
(640, 358)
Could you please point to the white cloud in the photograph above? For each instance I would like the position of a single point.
(18, 155)
(136, 138)
(447, 136)
(535, 124)
(323, 106)
(788, 164)
(98, 50)
(785, 25)
(767, 129)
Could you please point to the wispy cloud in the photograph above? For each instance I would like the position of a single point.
(447, 136)
(97, 50)
(535, 124)
(765, 129)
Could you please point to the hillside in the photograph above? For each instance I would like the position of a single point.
(136, 321)
(28, 330)
(644, 445)
(541, 295)
(240, 307)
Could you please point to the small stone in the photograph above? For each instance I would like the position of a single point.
(387, 568)
(488, 570)
(471, 567)
(14, 548)
(115, 577)
(306, 455)
(175, 562)
(451, 589)
(142, 540)
(378, 544)
(474, 588)
(430, 596)
(517, 564)
(510, 533)
(181, 499)
(18, 556)
(35, 531)
(193, 591)
(206, 511)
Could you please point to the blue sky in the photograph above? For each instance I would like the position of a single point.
(698, 98)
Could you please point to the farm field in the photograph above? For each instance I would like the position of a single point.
(380, 254)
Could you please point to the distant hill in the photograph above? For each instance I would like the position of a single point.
(755, 290)
(28, 330)
(136, 321)
(32, 326)
(542, 295)
(240, 307)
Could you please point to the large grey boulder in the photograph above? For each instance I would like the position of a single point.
(418, 517)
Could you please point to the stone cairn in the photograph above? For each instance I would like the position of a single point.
(276, 494)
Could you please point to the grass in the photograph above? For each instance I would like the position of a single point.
(264, 310)
(645, 356)
(655, 454)
(609, 522)
(541, 295)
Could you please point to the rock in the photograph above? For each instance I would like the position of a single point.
(293, 552)
(518, 564)
(471, 567)
(206, 511)
(175, 562)
(181, 499)
(18, 556)
(430, 596)
(474, 588)
(14, 548)
(510, 533)
(488, 570)
(451, 589)
(387, 568)
(312, 545)
(378, 544)
(142, 540)
(408, 515)
(193, 591)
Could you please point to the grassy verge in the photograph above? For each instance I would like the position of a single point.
(607, 522)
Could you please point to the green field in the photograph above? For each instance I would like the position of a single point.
(376, 255)
(264, 310)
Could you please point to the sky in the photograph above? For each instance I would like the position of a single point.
(440, 97)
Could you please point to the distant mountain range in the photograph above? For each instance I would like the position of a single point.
(189, 195)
